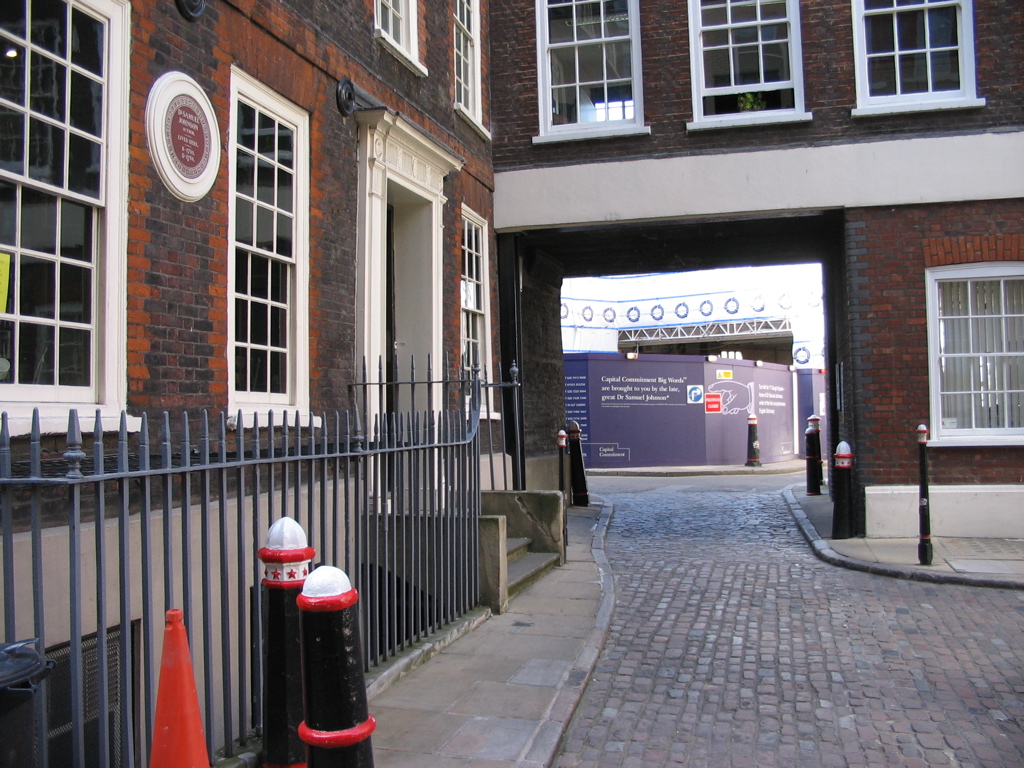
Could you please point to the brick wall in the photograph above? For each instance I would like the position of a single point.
(177, 289)
(888, 250)
(829, 86)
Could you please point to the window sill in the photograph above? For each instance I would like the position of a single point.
(757, 118)
(53, 419)
(605, 132)
(1009, 441)
(917, 106)
(474, 123)
(400, 53)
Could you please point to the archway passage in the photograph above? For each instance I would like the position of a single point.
(533, 264)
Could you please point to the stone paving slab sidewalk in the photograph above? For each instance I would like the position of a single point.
(502, 694)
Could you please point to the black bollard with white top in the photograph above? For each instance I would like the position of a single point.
(286, 563)
(753, 444)
(842, 510)
(812, 446)
(337, 724)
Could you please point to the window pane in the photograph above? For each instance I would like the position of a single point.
(278, 371)
(955, 336)
(245, 174)
(265, 182)
(6, 352)
(879, 34)
(86, 104)
(910, 27)
(257, 370)
(560, 27)
(591, 60)
(279, 282)
(241, 369)
(8, 213)
(264, 228)
(46, 152)
(619, 61)
(9, 265)
(84, 166)
(285, 146)
(616, 18)
(957, 412)
(588, 21)
(988, 334)
(243, 222)
(75, 231)
(955, 374)
(12, 147)
(914, 73)
(986, 297)
(717, 69)
(37, 287)
(241, 320)
(748, 65)
(246, 126)
(266, 136)
(743, 12)
(773, 9)
(942, 27)
(563, 66)
(1013, 297)
(48, 86)
(12, 17)
(86, 42)
(75, 357)
(283, 243)
(259, 277)
(564, 105)
(38, 221)
(776, 62)
(953, 298)
(278, 327)
(258, 323)
(989, 411)
(284, 190)
(946, 71)
(49, 25)
(12, 73)
(75, 293)
(35, 354)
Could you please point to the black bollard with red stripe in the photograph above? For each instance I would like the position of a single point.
(337, 724)
(286, 564)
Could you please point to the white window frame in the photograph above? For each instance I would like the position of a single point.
(109, 391)
(483, 343)
(964, 98)
(297, 396)
(575, 131)
(796, 113)
(946, 434)
(396, 27)
(467, 32)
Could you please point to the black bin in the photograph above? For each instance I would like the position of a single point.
(21, 669)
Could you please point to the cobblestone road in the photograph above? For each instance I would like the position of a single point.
(732, 645)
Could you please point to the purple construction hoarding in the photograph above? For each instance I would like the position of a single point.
(655, 411)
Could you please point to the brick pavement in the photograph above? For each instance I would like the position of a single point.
(732, 645)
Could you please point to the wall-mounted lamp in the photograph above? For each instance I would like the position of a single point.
(712, 358)
(632, 355)
(759, 363)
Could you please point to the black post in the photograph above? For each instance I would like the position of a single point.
(753, 445)
(563, 444)
(924, 544)
(577, 472)
(841, 508)
(286, 562)
(337, 724)
(812, 441)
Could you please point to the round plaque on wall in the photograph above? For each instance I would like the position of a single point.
(184, 139)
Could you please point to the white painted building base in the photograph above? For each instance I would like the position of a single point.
(983, 511)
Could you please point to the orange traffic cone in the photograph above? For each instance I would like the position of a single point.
(178, 738)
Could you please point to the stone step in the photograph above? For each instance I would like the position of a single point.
(516, 548)
(527, 568)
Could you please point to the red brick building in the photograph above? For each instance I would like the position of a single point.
(225, 205)
(882, 139)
